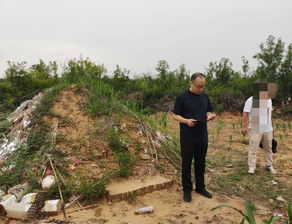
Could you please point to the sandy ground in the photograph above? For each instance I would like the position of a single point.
(169, 208)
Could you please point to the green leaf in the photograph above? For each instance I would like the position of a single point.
(242, 221)
(248, 209)
(272, 219)
(290, 213)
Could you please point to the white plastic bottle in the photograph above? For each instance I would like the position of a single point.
(144, 210)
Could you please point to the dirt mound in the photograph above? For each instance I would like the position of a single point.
(165, 104)
(86, 138)
(230, 102)
(88, 151)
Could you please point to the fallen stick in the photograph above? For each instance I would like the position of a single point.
(63, 180)
(72, 202)
(86, 207)
(209, 165)
(60, 192)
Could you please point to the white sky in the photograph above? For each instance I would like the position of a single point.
(136, 34)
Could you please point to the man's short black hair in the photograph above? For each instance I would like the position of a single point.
(259, 85)
(197, 74)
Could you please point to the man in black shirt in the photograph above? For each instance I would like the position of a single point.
(192, 110)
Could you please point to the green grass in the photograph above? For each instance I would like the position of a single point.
(94, 188)
(4, 127)
(248, 214)
(125, 161)
(238, 182)
(116, 143)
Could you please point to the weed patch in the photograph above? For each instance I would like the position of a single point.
(116, 143)
(4, 127)
(125, 161)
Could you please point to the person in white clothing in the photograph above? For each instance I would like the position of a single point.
(257, 122)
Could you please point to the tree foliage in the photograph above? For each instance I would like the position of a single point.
(21, 83)
(227, 88)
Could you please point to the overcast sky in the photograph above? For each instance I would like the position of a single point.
(136, 34)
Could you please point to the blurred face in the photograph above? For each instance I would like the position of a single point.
(272, 88)
(198, 85)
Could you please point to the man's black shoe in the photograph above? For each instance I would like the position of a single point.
(204, 192)
(187, 196)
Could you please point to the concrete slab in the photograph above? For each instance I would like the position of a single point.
(121, 189)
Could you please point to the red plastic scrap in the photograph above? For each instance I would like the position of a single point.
(75, 160)
(49, 171)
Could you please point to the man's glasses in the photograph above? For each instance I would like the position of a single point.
(199, 86)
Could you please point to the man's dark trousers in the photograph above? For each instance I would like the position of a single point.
(196, 151)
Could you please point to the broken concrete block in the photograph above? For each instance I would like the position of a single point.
(52, 206)
(2, 193)
(21, 211)
(18, 190)
(280, 199)
(29, 198)
(8, 199)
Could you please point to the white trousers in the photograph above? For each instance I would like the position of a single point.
(254, 140)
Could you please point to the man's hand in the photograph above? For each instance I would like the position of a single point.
(210, 116)
(244, 131)
(191, 122)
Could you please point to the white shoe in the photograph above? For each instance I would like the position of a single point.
(271, 169)
(251, 171)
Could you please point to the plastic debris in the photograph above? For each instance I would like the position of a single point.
(272, 182)
(26, 122)
(20, 119)
(94, 165)
(71, 167)
(148, 209)
(160, 135)
(10, 167)
(75, 160)
(7, 147)
(48, 182)
(157, 144)
(72, 198)
(49, 171)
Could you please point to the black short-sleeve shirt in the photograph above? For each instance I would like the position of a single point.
(193, 106)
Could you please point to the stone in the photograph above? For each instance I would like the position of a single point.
(280, 199)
